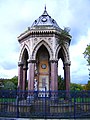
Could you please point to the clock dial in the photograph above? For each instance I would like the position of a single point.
(44, 19)
(43, 66)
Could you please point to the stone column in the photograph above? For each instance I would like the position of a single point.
(67, 75)
(24, 77)
(54, 76)
(20, 75)
(31, 65)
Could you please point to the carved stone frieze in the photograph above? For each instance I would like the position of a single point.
(35, 41)
(56, 42)
(50, 41)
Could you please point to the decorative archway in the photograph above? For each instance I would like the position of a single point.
(23, 67)
(63, 53)
(42, 68)
(25, 46)
(36, 48)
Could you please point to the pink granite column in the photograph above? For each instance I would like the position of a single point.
(67, 75)
(31, 75)
(20, 75)
(24, 77)
(54, 74)
(64, 76)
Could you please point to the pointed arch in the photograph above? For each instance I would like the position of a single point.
(50, 51)
(22, 51)
(63, 51)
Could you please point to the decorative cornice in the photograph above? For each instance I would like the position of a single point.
(38, 31)
(23, 35)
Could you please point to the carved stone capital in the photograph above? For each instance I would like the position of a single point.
(31, 61)
(67, 63)
(53, 61)
(20, 63)
(25, 68)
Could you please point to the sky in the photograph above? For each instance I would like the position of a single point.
(17, 15)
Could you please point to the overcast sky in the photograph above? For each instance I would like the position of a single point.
(17, 15)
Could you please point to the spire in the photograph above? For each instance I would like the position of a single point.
(45, 11)
(45, 7)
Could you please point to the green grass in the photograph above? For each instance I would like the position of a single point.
(7, 99)
(82, 100)
(79, 99)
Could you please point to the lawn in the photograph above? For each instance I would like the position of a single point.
(7, 99)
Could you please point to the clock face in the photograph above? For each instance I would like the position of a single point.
(44, 19)
(43, 66)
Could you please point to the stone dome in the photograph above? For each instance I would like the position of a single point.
(45, 21)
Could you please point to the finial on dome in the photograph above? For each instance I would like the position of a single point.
(45, 7)
(45, 11)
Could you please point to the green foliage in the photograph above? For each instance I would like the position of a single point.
(65, 31)
(9, 85)
(15, 81)
(87, 86)
(87, 54)
(64, 35)
(61, 83)
(1, 84)
(74, 86)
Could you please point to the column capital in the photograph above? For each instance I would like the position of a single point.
(53, 61)
(67, 63)
(25, 68)
(20, 63)
(31, 61)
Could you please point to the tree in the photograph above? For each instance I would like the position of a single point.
(74, 86)
(64, 35)
(9, 85)
(15, 81)
(61, 83)
(87, 86)
(87, 56)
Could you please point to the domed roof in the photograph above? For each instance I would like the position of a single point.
(46, 21)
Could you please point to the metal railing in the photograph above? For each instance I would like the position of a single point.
(45, 104)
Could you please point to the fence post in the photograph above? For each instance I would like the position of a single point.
(74, 105)
(45, 102)
(17, 105)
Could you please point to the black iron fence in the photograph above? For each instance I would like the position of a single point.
(45, 104)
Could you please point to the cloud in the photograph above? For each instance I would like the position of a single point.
(79, 68)
(8, 73)
(8, 65)
(79, 22)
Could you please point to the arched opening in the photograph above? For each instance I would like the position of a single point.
(25, 68)
(60, 68)
(42, 69)
(61, 77)
(46, 45)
